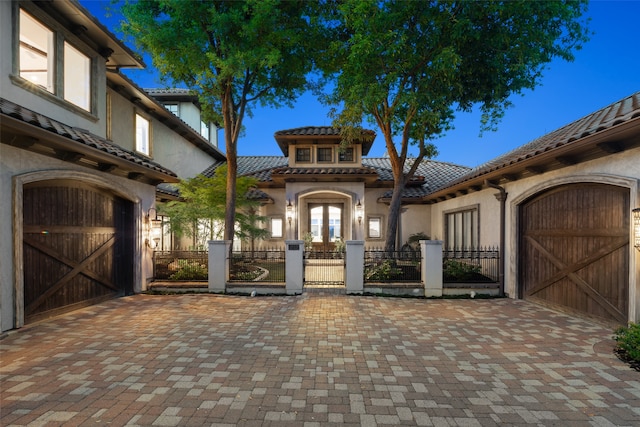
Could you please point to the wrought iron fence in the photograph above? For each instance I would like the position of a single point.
(471, 265)
(257, 266)
(324, 268)
(392, 266)
(180, 265)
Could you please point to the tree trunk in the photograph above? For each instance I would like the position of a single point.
(394, 213)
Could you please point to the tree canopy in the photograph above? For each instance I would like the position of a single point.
(232, 54)
(201, 210)
(408, 66)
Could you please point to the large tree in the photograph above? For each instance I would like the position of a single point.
(407, 66)
(232, 54)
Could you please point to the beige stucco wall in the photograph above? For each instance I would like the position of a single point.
(19, 166)
(622, 169)
(167, 147)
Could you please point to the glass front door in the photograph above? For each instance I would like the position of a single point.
(325, 224)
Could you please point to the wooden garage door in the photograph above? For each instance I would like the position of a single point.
(574, 250)
(77, 247)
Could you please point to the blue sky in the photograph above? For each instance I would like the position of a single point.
(606, 70)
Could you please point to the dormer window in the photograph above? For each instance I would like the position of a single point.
(325, 155)
(173, 107)
(346, 155)
(303, 155)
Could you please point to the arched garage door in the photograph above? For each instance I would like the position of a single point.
(574, 250)
(77, 247)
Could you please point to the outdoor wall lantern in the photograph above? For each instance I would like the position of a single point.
(289, 212)
(359, 210)
(154, 229)
(636, 228)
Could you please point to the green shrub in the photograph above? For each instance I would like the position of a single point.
(381, 271)
(190, 272)
(628, 339)
(456, 270)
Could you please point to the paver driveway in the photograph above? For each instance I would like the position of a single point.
(315, 360)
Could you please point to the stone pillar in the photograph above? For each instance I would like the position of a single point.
(218, 265)
(431, 267)
(294, 261)
(354, 274)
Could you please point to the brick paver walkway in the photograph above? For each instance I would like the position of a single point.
(315, 360)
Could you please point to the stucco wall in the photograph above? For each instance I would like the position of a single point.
(15, 164)
(167, 147)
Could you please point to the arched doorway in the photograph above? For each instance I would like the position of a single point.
(78, 245)
(574, 249)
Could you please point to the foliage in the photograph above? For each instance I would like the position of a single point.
(414, 239)
(341, 246)
(628, 339)
(408, 66)
(382, 271)
(308, 241)
(459, 271)
(190, 271)
(232, 54)
(202, 208)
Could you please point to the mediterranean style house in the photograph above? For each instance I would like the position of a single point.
(559, 207)
(85, 154)
(82, 152)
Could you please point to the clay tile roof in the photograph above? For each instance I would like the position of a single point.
(284, 136)
(324, 171)
(599, 121)
(168, 91)
(8, 108)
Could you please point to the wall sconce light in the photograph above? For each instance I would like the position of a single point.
(359, 211)
(154, 229)
(636, 228)
(289, 212)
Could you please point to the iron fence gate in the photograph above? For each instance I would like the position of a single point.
(324, 269)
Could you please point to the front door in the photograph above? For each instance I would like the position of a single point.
(325, 224)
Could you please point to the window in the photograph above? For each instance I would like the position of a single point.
(142, 135)
(42, 54)
(325, 154)
(461, 229)
(77, 77)
(173, 107)
(276, 227)
(303, 154)
(204, 130)
(375, 227)
(37, 60)
(346, 155)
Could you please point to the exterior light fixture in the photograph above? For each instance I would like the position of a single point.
(289, 212)
(636, 228)
(359, 210)
(154, 229)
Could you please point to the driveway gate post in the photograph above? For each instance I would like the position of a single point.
(431, 267)
(218, 265)
(294, 266)
(354, 275)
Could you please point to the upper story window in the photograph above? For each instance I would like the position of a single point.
(325, 154)
(303, 154)
(173, 107)
(77, 77)
(346, 155)
(461, 229)
(204, 130)
(143, 127)
(39, 62)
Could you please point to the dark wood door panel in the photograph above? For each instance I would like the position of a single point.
(574, 247)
